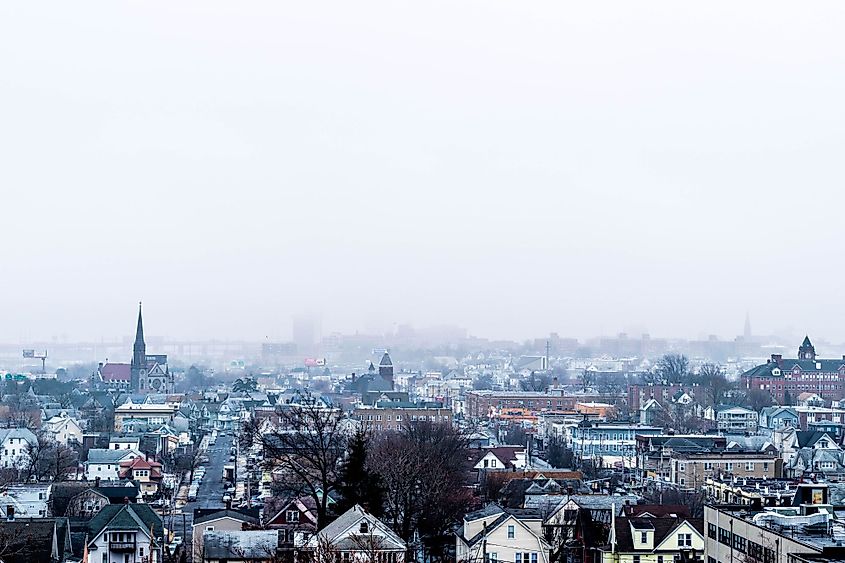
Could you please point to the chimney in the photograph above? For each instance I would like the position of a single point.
(776, 358)
(229, 504)
(97, 482)
(125, 500)
(353, 377)
(10, 512)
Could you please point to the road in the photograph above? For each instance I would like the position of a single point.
(210, 492)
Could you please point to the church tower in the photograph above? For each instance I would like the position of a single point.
(385, 369)
(807, 351)
(139, 354)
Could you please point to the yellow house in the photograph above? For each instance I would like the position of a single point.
(655, 540)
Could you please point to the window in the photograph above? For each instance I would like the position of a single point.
(729, 466)
(292, 516)
(209, 528)
(141, 553)
(659, 559)
(636, 559)
(708, 465)
(534, 557)
(684, 540)
(511, 532)
(749, 466)
(518, 558)
(494, 556)
(643, 537)
(711, 531)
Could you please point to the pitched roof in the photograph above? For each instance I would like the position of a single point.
(102, 455)
(663, 527)
(225, 513)
(352, 517)
(656, 510)
(140, 517)
(116, 372)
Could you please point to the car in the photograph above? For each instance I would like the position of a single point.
(176, 540)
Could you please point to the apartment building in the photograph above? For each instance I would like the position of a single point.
(392, 415)
(808, 530)
(736, 420)
(691, 470)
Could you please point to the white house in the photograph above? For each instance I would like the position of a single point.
(125, 443)
(14, 445)
(357, 536)
(105, 464)
(64, 429)
(25, 501)
(125, 532)
(736, 419)
(511, 538)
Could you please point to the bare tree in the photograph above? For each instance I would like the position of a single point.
(307, 446)
(712, 379)
(535, 382)
(423, 470)
(672, 368)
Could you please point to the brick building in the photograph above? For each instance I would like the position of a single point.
(483, 404)
(806, 373)
(391, 415)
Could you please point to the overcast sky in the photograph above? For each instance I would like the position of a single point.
(512, 167)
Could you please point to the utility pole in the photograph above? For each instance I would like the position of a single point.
(484, 545)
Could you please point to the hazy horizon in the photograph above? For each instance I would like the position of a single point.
(514, 169)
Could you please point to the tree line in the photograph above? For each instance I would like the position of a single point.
(414, 479)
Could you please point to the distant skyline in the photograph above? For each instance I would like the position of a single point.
(511, 168)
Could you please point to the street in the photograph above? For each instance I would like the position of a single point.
(210, 492)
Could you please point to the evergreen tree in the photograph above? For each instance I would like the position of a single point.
(359, 485)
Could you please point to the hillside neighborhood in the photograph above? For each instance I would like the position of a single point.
(529, 459)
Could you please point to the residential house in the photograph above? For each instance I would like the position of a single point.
(612, 442)
(357, 535)
(218, 520)
(105, 464)
(296, 520)
(84, 499)
(778, 418)
(655, 540)
(125, 443)
(25, 500)
(734, 419)
(14, 445)
(63, 429)
(146, 473)
(499, 457)
(124, 533)
(580, 524)
(508, 535)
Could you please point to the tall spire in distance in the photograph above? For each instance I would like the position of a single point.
(747, 332)
(139, 331)
(139, 354)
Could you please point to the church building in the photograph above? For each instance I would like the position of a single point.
(146, 374)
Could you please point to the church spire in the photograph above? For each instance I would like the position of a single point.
(139, 331)
(139, 355)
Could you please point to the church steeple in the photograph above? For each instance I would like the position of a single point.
(139, 353)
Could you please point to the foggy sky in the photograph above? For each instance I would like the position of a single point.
(512, 167)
